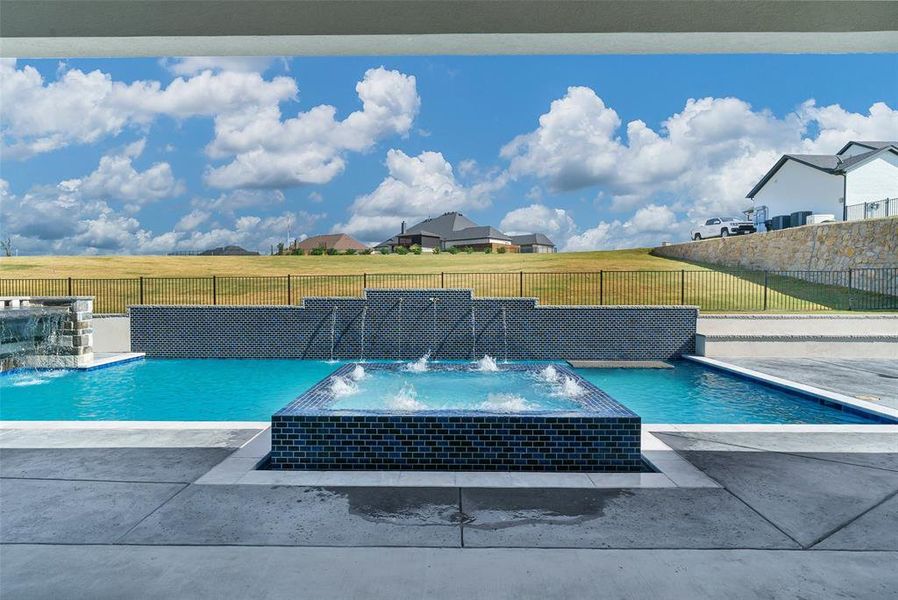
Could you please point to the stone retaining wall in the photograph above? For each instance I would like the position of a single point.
(868, 244)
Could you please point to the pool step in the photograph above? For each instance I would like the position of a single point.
(619, 364)
(797, 345)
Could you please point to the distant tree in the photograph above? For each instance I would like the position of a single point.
(453, 250)
(401, 250)
(488, 250)
(367, 250)
(501, 250)
(351, 251)
(469, 250)
(319, 251)
(280, 248)
(332, 252)
(298, 251)
(415, 249)
(7, 246)
(436, 249)
(384, 251)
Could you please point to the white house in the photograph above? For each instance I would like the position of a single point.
(839, 184)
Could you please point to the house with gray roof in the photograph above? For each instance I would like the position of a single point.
(453, 229)
(859, 181)
(533, 243)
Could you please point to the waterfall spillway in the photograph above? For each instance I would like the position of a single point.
(399, 331)
(362, 335)
(473, 335)
(31, 332)
(333, 330)
(504, 334)
(433, 334)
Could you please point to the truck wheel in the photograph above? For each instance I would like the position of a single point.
(697, 237)
(724, 233)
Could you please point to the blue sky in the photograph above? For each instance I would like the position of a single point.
(153, 155)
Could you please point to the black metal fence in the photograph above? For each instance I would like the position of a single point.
(712, 291)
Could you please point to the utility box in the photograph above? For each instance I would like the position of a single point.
(799, 218)
(781, 222)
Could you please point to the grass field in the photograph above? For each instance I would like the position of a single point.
(610, 277)
(205, 266)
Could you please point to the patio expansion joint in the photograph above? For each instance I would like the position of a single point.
(795, 454)
(151, 513)
(461, 519)
(851, 520)
(824, 536)
(139, 481)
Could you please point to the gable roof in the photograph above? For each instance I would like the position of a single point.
(444, 225)
(529, 239)
(477, 232)
(866, 144)
(828, 163)
(337, 241)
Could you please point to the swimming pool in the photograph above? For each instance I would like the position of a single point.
(253, 390)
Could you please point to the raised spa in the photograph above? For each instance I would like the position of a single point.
(451, 416)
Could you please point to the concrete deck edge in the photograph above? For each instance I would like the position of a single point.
(241, 467)
(855, 403)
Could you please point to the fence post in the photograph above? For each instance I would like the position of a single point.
(602, 287)
(289, 290)
(442, 279)
(766, 273)
(140, 287)
(364, 281)
(214, 290)
(850, 285)
(521, 285)
(70, 287)
(682, 287)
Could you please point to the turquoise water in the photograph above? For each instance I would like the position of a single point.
(496, 391)
(252, 390)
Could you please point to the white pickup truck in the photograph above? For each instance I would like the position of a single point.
(721, 227)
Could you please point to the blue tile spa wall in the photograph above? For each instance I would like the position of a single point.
(602, 435)
(458, 443)
(405, 324)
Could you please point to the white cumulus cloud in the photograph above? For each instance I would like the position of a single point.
(81, 108)
(415, 188)
(116, 179)
(554, 222)
(267, 151)
(704, 158)
(190, 65)
(649, 226)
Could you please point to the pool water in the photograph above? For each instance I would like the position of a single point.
(463, 387)
(252, 390)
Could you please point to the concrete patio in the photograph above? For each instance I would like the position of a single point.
(99, 513)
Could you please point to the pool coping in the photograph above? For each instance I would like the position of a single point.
(858, 405)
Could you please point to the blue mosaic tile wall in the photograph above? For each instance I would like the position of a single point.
(603, 437)
(404, 324)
